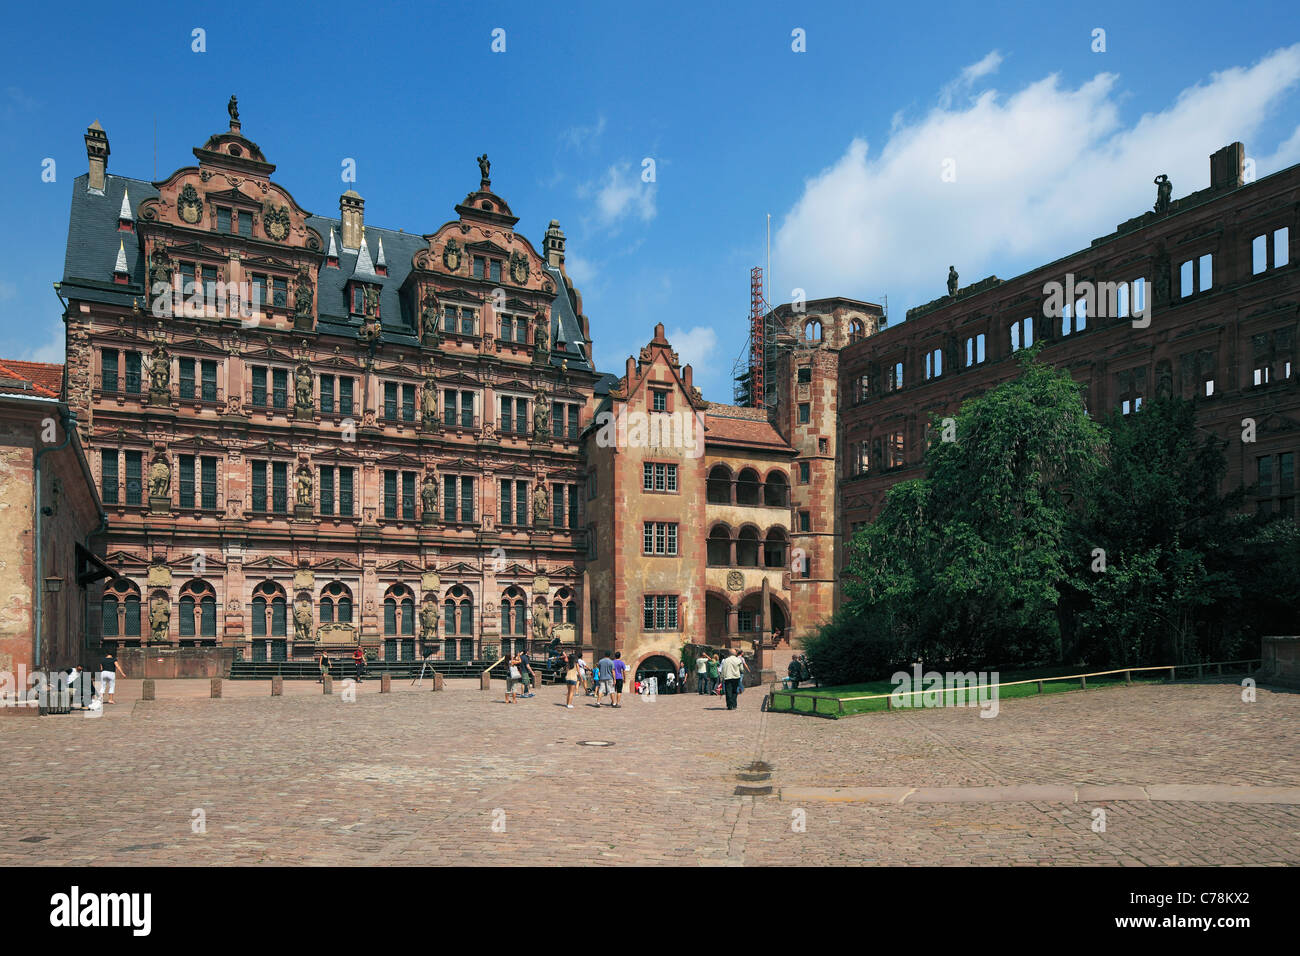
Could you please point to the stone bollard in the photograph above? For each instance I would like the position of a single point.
(147, 689)
(327, 685)
(485, 681)
(214, 688)
(437, 681)
(385, 683)
(1083, 682)
(277, 686)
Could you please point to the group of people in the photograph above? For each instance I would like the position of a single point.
(358, 665)
(798, 671)
(520, 673)
(721, 674)
(92, 689)
(606, 679)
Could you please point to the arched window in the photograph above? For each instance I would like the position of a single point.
(120, 610)
(718, 485)
(812, 331)
(514, 612)
(776, 490)
(269, 602)
(198, 609)
(856, 331)
(747, 548)
(747, 485)
(775, 548)
(564, 609)
(459, 610)
(399, 611)
(336, 603)
(719, 547)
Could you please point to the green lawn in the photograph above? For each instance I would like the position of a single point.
(823, 701)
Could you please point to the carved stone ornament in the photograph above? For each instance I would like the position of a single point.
(189, 205)
(451, 255)
(735, 581)
(518, 267)
(275, 221)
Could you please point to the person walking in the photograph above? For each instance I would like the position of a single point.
(527, 675)
(711, 673)
(513, 679)
(570, 680)
(620, 671)
(702, 685)
(681, 678)
(744, 669)
(604, 679)
(729, 670)
(793, 671)
(584, 675)
(109, 668)
(324, 667)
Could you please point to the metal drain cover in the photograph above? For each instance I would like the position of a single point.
(595, 743)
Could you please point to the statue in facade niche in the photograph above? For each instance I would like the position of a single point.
(541, 622)
(541, 337)
(952, 281)
(541, 415)
(160, 371)
(304, 487)
(302, 620)
(302, 387)
(303, 296)
(1164, 192)
(429, 621)
(429, 401)
(429, 494)
(160, 616)
(540, 501)
(160, 476)
(160, 269)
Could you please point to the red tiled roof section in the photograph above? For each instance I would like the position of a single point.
(45, 378)
(741, 432)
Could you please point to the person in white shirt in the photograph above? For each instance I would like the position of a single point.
(729, 671)
(702, 675)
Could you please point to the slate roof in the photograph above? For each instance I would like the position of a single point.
(25, 378)
(93, 241)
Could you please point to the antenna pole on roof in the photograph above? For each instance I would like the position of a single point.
(155, 147)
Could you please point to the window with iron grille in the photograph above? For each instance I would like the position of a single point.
(326, 391)
(108, 475)
(659, 612)
(390, 494)
(134, 477)
(280, 387)
(345, 397)
(133, 372)
(408, 496)
(186, 382)
(259, 386)
(108, 364)
(186, 481)
(326, 490)
(345, 491)
(208, 383)
(208, 482)
(390, 401)
(259, 486)
(280, 487)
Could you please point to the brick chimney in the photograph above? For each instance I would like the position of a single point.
(554, 244)
(1228, 167)
(96, 155)
(352, 211)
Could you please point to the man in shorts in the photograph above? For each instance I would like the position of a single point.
(620, 671)
(604, 679)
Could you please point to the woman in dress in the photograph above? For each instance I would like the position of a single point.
(570, 679)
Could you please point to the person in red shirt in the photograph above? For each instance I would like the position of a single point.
(359, 659)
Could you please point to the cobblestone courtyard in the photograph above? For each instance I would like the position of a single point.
(1190, 775)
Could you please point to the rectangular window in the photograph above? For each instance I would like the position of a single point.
(573, 507)
(659, 537)
(108, 361)
(246, 224)
(208, 383)
(1281, 247)
(1186, 278)
(895, 449)
(390, 494)
(507, 413)
(134, 477)
(660, 400)
(507, 501)
(660, 612)
(108, 476)
(521, 502)
(805, 413)
(557, 420)
(466, 321)
(1258, 254)
(327, 395)
(208, 482)
(467, 499)
(573, 421)
(186, 481)
(186, 385)
(345, 491)
(480, 267)
(449, 318)
(449, 498)
(467, 409)
(133, 372)
(280, 487)
(408, 496)
(279, 292)
(1265, 475)
(449, 406)
(280, 387)
(494, 270)
(326, 490)
(408, 403)
(894, 379)
(259, 386)
(1206, 279)
(223, 219)
(210, 285)
(259, 486)
(805, 521)
(187, 279)
(390, 402)
(805, 375)
(933, 364)
(805, 470)
(345, 397)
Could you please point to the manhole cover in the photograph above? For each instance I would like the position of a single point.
(595, 743)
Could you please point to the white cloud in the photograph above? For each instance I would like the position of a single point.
(621, 195)
(580, 137)
(1039, 173)
(52, 350)
(694, 346)
(581, 270)
(966, 79)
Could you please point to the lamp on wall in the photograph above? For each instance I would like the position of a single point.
(53, 585)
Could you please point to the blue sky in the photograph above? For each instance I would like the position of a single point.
(1052, 143)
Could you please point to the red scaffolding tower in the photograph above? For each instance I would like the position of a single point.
(757, 338)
